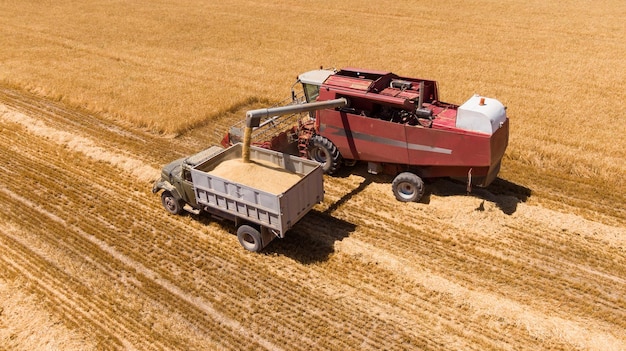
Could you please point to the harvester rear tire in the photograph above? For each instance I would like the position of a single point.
(325, 153)
(171, 204)
(408, 187)
(250, 238)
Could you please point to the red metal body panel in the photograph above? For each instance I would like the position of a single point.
(377, 85)
(363, 138)
(445, 115)
(361, 133)
(350, 83)
(437, 147)
(370, 139)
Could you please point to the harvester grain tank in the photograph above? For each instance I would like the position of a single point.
(396, 124)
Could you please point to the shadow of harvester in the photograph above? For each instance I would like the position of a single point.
(503, 193)
(313, 238)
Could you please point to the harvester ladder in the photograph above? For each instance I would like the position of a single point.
(305, 133)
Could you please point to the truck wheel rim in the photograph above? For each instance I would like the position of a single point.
(170, 204)
(247, 238)
(248, 241)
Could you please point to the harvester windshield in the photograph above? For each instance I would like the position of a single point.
(311, 91)
(311, 82)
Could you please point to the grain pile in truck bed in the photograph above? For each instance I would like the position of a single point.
(261, 175)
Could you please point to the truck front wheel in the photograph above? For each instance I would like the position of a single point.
(250, 238)
(408, 187)
(171, 204)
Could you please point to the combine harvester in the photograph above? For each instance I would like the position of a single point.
(395, 124)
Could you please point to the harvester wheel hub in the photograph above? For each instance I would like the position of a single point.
(408, 187)
(319, 154)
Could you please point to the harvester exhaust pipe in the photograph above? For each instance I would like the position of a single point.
(253, 118)
(420, 103)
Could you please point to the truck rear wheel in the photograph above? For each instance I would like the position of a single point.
(408, 187)
(171, 204)
(326, 153)
(250, 238)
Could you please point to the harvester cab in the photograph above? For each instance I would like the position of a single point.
(311, 82)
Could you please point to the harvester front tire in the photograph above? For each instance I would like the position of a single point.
(408, 187)
(324, 152)
(250, 238)
(171, 204)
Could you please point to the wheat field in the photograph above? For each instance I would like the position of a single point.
(96, 96)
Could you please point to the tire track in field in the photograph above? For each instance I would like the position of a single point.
(417, 284)
(21, 311)
(90, 149)
(537, 324)
(73, 306)
(79, 181)
(110, 135)
(66, 239)
(111, 325)
(464, 229)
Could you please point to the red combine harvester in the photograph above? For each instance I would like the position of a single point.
(395, 124)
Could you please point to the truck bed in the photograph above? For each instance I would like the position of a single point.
(257, 174)
(242, 192)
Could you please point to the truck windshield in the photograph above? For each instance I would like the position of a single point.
(311, 91)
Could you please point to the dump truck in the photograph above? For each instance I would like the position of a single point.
(265, 195)
(396, 124)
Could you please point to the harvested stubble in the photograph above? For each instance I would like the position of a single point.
(258, 174)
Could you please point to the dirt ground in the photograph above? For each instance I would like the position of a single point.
(90, 260)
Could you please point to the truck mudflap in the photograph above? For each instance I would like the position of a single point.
(268, 234)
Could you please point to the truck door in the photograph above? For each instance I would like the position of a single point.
(186, 186)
